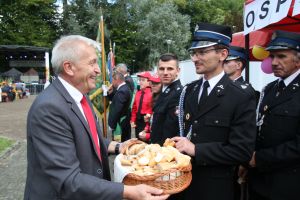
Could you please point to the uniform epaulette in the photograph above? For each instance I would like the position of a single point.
(192, 83)
(243, 86)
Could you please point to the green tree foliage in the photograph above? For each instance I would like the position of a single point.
(161, 24)
(139, 28)
(28, 22)
(226, 12)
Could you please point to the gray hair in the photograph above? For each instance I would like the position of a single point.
(118, 76)
(69, 48)
(122, 68)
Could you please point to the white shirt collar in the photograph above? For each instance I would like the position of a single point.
(74, 92)
(289, 79)
(213, 81)
(166, 86)
(121, 85)
(237, 78)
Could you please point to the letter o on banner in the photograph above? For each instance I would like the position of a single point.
(251, 14)
(266, 65)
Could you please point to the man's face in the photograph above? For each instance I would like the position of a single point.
(115, 82)
(167, 71)
(230, 67)
(155, 87)
(85, 70)
(208, 61)
(284, 63)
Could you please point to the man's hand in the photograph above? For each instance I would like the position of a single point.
(125, 144)
(184, 145)
(252, 162)
(147, 117)
(132, 124)
(242, 173)
(143, 192)
(142, 135)
(110, 89)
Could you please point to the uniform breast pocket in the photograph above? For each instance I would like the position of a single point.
(217, 128)
(217, 121)
(286, 117)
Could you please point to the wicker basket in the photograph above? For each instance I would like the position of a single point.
(161, 180)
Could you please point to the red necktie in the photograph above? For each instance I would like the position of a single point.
(91, 121)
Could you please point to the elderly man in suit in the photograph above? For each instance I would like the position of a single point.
(67, 154)
(119, 114)
(217, 118)
(275, 172)
(122, 68)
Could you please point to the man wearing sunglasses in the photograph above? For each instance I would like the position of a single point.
(218, 118)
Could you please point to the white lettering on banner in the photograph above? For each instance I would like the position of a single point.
(260, 13)
(296, 10)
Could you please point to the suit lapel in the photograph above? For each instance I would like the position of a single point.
(76, 111)
(288, 93)
(213, 98)
(191, 101)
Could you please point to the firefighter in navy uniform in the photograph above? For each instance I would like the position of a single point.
(235, 64)
(165, 116)
(217, 118)
(275, 172)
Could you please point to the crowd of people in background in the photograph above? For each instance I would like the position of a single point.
(9, 91)
(234, 134)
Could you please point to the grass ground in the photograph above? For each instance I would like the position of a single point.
(5, 143)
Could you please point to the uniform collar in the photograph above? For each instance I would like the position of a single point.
(289, 79)
(214, 80)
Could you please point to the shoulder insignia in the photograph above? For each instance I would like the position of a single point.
(295, 85)
(244, 86)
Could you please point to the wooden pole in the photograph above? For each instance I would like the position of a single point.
(103, 76)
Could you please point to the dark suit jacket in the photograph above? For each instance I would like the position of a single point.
(119, 106)
(62, 161)
(223, 131)
(277, 174)
(165, 120)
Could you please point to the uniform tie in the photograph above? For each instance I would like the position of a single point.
(92, 124)
(204, 92)
(280, 87)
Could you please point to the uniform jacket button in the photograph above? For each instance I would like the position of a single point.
(194, 134)
(216, 121)
(195, 122)
(99, 171)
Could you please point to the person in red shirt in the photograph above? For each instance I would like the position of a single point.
(156, 87)
(142, 104)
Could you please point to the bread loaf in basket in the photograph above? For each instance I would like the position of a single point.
(161, 167)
